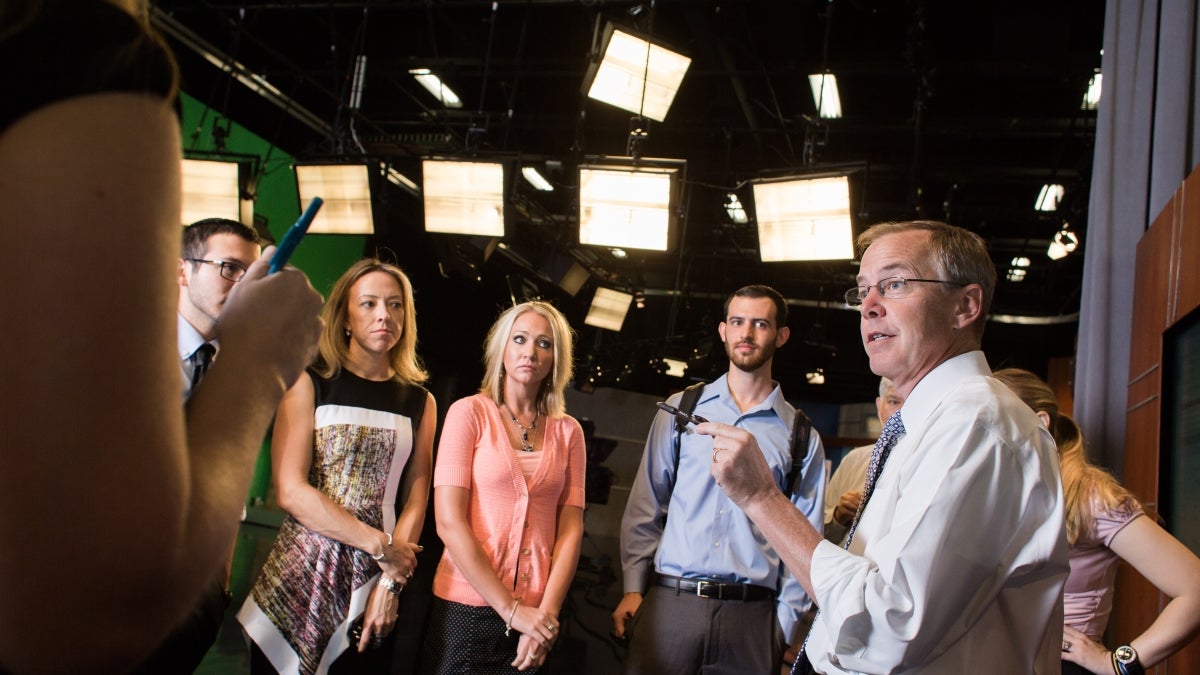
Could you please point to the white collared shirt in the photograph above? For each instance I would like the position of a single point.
(189, 340)
(959, 561)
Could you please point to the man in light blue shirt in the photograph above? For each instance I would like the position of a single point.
(703, 588)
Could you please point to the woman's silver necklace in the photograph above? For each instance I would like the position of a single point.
(526, 444)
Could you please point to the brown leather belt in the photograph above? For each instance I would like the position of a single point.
(717, 590)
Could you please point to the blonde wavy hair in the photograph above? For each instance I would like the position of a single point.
(334, 346)
(550, 401)
(1086, 487)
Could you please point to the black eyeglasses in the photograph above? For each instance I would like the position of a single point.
(230, 270)
(891, 287)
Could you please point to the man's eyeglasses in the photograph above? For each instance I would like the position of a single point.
(230, 270)
(891, 287)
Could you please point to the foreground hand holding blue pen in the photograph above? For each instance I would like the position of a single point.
(291, 238)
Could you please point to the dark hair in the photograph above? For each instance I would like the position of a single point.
(761, 291)
(196, 235)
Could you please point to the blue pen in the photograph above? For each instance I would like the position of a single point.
(291, 238)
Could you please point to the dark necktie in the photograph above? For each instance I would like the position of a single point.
(892, 431)
(201, 359)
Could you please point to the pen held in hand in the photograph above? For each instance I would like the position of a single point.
(291, 238)
(683, 417)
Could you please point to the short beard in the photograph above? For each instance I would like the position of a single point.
(751, 363)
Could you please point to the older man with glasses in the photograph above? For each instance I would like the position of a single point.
(956, 560)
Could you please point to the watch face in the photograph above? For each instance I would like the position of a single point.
(1125, 654)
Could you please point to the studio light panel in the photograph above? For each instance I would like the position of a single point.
(638, 76)
(464, 197)
(804, 219)
(608, 309)
(625, 208)
(210, 190)
(346, 191)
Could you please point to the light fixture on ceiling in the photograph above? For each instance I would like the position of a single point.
(815, 376)
(434, 85)
(346, 192)
(825, 95)
(675, 367)
(1049, 197)
(629, 206)
(1065, 241)
(572, 279)
(804, 219)
(464, 197)
(536, 179)
(1017, 269)
(608, 309)
(1091, 98)
(733, 207)
(212, 189)
(639, 299)
(635, 74)
(400, 180)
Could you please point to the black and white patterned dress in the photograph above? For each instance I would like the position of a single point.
(312, 587)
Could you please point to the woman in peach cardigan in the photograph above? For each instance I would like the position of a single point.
(508, 491)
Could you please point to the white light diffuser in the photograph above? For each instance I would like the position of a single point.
(737, 212)
(464, 197)
(675, 367)
(1091, 98)
(346, 191)
(825, 95)
(1065, 241)
(638, 76)
(1049, 197)
(536, 179)
(804, 219)
(434, 85)
(210, 190)
(608, 309)
(625, 207)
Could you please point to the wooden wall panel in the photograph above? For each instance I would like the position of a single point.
(1151, 289)
(1166, 288)
(1187, 250)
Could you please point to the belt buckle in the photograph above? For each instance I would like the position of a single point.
(701, 584)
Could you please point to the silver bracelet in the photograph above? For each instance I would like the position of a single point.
(508, 625)
(382, 551)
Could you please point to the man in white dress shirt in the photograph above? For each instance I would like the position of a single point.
(958, 560)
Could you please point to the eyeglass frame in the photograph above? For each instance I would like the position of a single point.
(854, 298)
(223, 264)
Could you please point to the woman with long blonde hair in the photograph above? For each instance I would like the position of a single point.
(508, 494)
(1105, 522)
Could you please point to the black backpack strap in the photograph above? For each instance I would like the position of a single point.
(687, 403)
(801, 432)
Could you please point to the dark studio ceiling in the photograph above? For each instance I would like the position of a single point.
(956, 111)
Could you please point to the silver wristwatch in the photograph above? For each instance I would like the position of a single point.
(1125, 661)
(394, 587)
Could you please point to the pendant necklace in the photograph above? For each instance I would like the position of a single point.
(526, 444)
